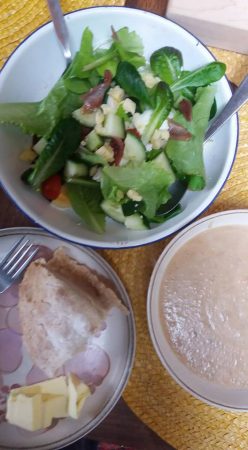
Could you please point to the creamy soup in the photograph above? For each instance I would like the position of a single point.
(204, 304)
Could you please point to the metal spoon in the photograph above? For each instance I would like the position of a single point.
(60, 29)
(240, 96)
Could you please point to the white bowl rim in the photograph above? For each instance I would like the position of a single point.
(139, 241)
(156, 345)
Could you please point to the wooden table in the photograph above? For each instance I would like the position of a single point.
(121, 426)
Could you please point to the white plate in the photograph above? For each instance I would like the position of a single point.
(213, 394)
(116, 343)
(34, 68)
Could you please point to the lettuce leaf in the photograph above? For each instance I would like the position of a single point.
(187, 156)
(125, 46)
(148, 180)
(86, 204)
(82, 57)
(40, 118)
(129, 47)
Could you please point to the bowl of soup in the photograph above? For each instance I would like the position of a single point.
(197, 309)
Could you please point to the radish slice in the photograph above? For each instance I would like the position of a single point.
(91, 366)
(13, 320)
(43, 252)
(3, 317)
(10, 296)
(10, 351)
(35, 375)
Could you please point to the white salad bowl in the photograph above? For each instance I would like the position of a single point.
(35, 66)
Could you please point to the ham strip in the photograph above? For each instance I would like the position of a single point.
(178, 132)
(185, 106)
(94, 97)
(117, 145)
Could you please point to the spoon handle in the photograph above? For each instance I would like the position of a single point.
(239, 97)
(60, 28)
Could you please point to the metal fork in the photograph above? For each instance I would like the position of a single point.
(14, 263)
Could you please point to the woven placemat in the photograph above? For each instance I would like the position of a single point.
(178, 418)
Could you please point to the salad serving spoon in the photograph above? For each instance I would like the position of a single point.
(238, 99)
(60, 29)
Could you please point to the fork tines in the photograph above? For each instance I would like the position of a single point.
(18, 257)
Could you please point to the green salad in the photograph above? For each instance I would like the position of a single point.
(117, 130)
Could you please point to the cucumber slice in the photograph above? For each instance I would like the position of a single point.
(90, 157)
(75, 169)
(113, 127)
(162, 161)
(86, 119)
(93, 141)
(134, 150)
(135, 222)
(40, 145)
(113, 210)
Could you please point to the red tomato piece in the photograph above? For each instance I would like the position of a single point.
(51, 187)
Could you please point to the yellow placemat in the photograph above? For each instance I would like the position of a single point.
(178, 418)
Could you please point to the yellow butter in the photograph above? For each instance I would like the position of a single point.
(80, 402)
(53, 408)
(34, 407)
(26, 390)
(77, 394)
(55, 386)
(72, 396)
(25, 412)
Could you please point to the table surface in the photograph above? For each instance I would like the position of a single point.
(122, 426)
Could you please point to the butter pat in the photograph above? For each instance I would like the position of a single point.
(25, 412)
(34, 407)
(55, 386)
(53, 408)
(78, 392)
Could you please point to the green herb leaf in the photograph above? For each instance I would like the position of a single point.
(77, 85)
(200, 77)
(83, 57)
(167, 63)
(100, 59)
(130, 80)
(63, 142)
(87, 206)
(163, 99)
